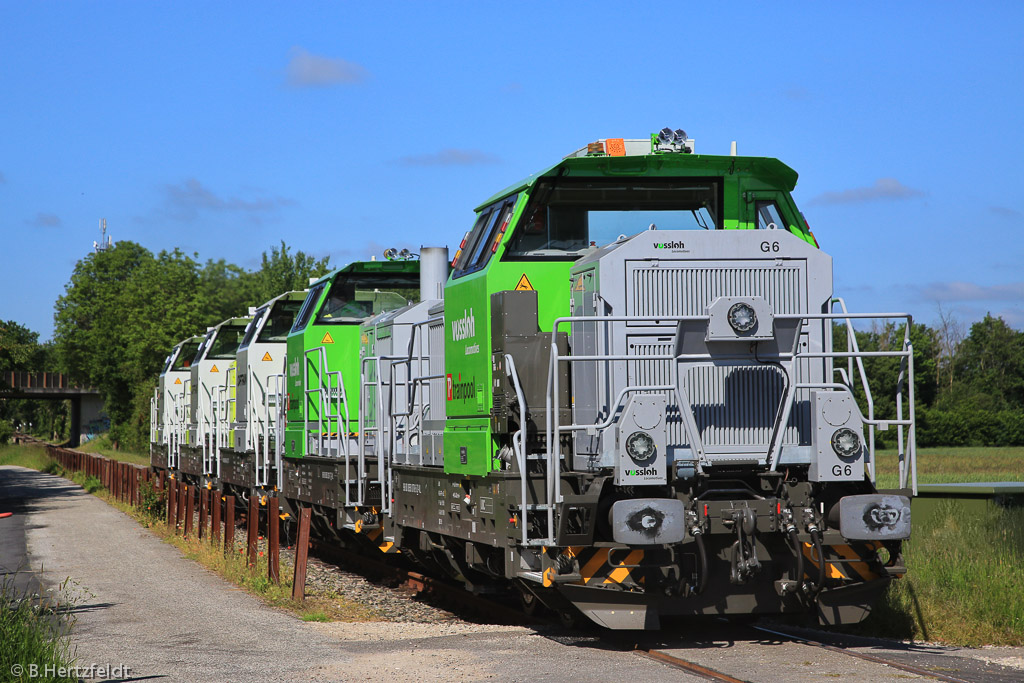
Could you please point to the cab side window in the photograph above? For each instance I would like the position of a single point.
(484, 238)
(769, 217)
(312, 298)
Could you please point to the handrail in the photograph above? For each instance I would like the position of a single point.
(555, 429)
(325, 401)
(854, 346)
(406, 424)
(517, 440)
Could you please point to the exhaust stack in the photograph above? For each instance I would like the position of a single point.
(433, 272)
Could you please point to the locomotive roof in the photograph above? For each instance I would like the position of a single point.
(397, 266)
(665, 165)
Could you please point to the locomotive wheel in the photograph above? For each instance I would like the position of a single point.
(529, 602)
(568, 617)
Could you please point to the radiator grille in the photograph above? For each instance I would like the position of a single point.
(733, 405)
(737, 405)
(671, 290)
(438, 390)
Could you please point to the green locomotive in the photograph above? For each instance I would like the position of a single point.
(622, 399)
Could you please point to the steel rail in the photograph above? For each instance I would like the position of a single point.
(909, 668)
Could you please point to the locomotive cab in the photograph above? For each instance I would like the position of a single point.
(167, 415)
(322, 375)
(211, 399)
(250, 461)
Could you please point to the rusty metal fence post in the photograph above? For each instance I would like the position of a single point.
(252, 525)
(273, 541)
(215, 532)
(203, 496)
(229, 524)
(301, 556)
(172, 506)
(189, 509)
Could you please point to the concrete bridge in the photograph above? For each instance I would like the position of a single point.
(86, 404)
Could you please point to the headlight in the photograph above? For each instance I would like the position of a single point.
(742, 317)
(640, 446)
(846, 442)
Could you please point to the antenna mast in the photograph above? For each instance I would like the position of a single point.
(105, 240)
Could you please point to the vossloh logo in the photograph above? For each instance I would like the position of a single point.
(669, 245)
(464, 327)
(645, 472)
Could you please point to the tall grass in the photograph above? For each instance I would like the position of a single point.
(31, 456)
(965, 581)
(102, 445)
(33, 633)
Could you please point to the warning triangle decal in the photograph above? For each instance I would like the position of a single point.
(327, 339)
(214, 369)
(579, 284)
(177, 381)
(524, 284)
(266, 356)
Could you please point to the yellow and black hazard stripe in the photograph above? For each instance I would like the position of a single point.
(601, 566)
(377, 537)
(844, 562)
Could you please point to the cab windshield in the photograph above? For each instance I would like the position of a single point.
(353, 297)
(225, 343)
(280, 322)
(567, 216)
(272, 327)
(181, 359)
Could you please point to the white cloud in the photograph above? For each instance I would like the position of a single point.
(45, 220)
(451, 157)
(187, 200)
(884, 188)
(969, 291)
(306, 70)
(1005, 212)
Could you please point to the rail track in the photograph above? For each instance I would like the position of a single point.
(456, 598)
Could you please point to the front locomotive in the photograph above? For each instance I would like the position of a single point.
(715, 440)
(649, 401)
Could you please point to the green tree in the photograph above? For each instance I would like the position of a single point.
(19, 347)
(21, 351)
(990, 364)
(124, 309)
(282, 271)
(89, 322)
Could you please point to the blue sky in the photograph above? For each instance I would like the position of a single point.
(344, 128)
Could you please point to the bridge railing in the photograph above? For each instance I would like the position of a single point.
(36, 380)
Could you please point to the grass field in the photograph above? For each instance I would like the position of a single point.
(101, 445)
(964, 582)
(965, 575)
(33, 457)
(951, 465)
